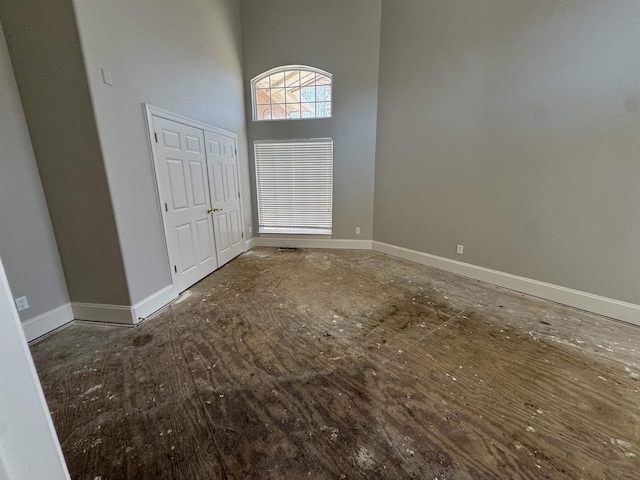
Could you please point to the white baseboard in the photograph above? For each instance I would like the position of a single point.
(97, 312)
(295, 242)
(153, 303)
(249, 244)
(130, 315)
(42, 324)
(627, 312)
(124, 314)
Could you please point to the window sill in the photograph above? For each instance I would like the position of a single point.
(295, 231)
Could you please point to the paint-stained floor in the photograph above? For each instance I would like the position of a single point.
(347, 364)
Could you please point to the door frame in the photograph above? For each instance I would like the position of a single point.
(149, 112)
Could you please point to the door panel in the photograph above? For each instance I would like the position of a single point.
(198, 179)
(234, 222)
(178, 188)
(223, 182)
(185, 242)
(193, 144)
(171, 140)
(222, 231)
(181, 165)
(231, 182)
(218, 186)
(204, 239)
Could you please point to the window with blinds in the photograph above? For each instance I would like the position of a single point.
(295, 186)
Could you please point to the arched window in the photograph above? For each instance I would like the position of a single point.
(291, 92)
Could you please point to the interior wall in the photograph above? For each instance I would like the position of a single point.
(27, 245)
(512, 128)
(29, 447)
(341, 37)
(184, 57)
(45, 53)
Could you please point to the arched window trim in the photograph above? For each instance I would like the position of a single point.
(276, 70)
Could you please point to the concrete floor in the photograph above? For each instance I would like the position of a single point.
(346, 364)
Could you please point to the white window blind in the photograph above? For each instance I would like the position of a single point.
(295, 186)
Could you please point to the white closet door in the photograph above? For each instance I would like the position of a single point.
(181, 167)
(225, 195)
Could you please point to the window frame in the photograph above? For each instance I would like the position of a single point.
(305, 68)
(273, 229)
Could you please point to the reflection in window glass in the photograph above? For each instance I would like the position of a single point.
(308, 94)
(277, 79)
(292, 92)
(278, 111)
(323, 109)
(323, 94)
(292, 78)
(293, 110)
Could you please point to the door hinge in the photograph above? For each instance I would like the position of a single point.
(175, 268)
(242, 234)
(236, 151)
(156, 137)
(166, 209)
(238, 194)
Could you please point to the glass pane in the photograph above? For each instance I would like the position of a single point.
(264, 83)
(263, 96)
(307, 110)
(293, 110)
(323, 109)
(263, 112)
(307, 78)
(292, 78)
(322, 80)
(293, 95)
(323, 94)
(277, 111)
(277, 79)
(277, 95)
(308, 94)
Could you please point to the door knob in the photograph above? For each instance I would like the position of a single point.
(211, 210)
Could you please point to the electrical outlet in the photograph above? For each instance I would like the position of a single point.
(21, 303)
(357, 230)
(460, 249)
(251, 229)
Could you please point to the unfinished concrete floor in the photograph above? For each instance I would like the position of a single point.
(347, 364)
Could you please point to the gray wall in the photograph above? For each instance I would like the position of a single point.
(27, 245)
(29, 446)
(341, 37)
(181, 56)
(514, 128)
(47, 62)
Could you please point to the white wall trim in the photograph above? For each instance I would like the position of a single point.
(609, 307)
(42, 324)
(191, 122)
(53, 319)
(312, 243)
(97, 312)
(249, 244)
(617, 309)
(124, 314)
(130, 315)
(155, 302)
